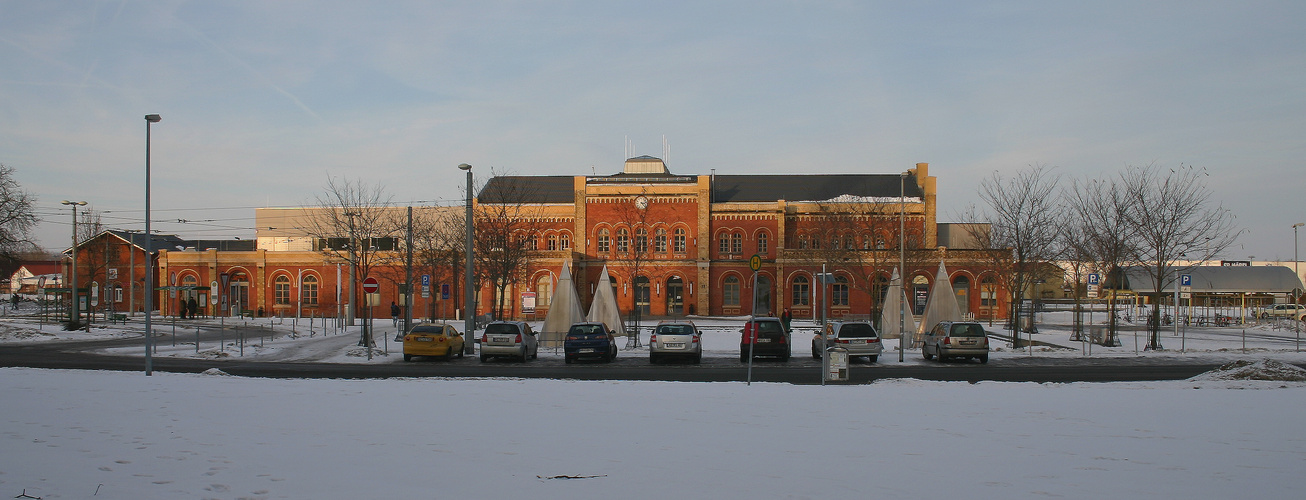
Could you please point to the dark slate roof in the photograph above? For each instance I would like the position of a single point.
(816, 187)
(725, 188)
(161, 241)
(528, 189)
(172, 242)
(1224, 279)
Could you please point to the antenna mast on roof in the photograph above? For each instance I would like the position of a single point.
(666, 151)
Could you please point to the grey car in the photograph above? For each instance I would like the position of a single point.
(956, 339)
(858, 337)
(675, 339)
(512, 339)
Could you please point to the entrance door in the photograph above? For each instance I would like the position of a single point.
(675, 296)
(642, 295)
(762, 304)
(239, 292)
(962, 286)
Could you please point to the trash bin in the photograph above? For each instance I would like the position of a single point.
(838, 364)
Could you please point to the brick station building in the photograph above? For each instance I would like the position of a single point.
(674, 245)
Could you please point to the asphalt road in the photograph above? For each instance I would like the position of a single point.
(630, 365)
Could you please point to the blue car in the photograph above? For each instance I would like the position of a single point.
(591, 340)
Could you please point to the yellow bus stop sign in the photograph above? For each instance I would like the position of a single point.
(755, 262)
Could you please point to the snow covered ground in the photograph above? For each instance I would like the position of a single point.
(74, 434)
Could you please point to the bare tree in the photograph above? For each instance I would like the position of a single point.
(1172, 214)
(438, 249)
(17, 218)
(633, 214)
(1099, 232)
(354, 223)
(1023, 216)
(507, 224)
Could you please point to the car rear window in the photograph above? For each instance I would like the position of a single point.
(856, 330)
(967, 331)
(501, 328)
(675, 330)
(586, 330)
(428, 329)
(769, 328)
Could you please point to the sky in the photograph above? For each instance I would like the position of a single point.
(263, 102)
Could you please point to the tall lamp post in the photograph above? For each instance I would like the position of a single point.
(149, 254)
(902, 264)
(1294, 255)
(469, 295)
(75, 316)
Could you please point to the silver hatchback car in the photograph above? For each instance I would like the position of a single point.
(512, 339)
(956, 339)
(858, 337)
(675, 339)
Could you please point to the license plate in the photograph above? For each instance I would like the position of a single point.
(501, 340)
(968, 342)
(857, 341)
(585, 351)
(763, 341)
(425, 339)
(674, 345)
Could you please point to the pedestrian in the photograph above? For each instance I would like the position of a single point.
(394, 314)
(181, 308)
(786, 318)
(194, 307)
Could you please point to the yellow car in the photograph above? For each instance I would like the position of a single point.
(431, 339)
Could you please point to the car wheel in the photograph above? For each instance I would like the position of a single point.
(568, 359)
(652, 360)
(816, 354)
(460, 353)
(698, 359)
(942, 358)
(984, 359)
(926, 353)
(784, 358)
(743, 358)
(872, 358)
(484, 357)
(408, 357)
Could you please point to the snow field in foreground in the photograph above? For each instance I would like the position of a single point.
(66, 433)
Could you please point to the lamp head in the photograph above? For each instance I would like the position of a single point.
(464, 166)
(1299, 224)
(153, 118)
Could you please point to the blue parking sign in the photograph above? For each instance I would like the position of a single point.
(1094, 279)
(1186, 280)
(426, 280)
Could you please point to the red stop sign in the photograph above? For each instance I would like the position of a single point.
(371, 285)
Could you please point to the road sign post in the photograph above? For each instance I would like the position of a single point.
(370, 286)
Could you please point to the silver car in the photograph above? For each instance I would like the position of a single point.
(858, 337)
(956, 339)
(675, 339)
(512, 339)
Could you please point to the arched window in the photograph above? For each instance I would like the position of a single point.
(543, 291)
(641, 241)
(848, 242)
(623, 240)
(723, 245)
(660, 241)
(839, 292)
(678, 241)
(802, 242)
(737, 243)
(761, 242)
(308, 292)
(604, 241)
(281, 290)
(730, 291)
(564, 241)
(816, 241)
(553, 242)
(802, 291)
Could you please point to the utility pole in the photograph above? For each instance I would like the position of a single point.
(408, 279)
(75, 316)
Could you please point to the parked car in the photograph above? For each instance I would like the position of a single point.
(512, 339)
(764, 337)
(1297, 311)
(430, 339)
(675, 339)
(858, 337)
(589, 340)
(956, 339)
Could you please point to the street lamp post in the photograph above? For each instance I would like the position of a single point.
(469, 295)
(75, 315)
(149, 254)
(902, 264)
